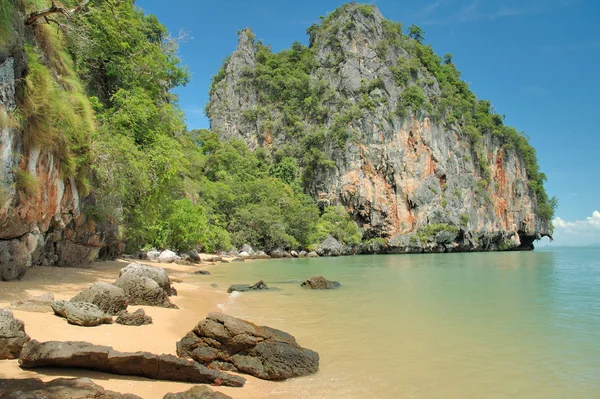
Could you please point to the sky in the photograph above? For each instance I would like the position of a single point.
(536, 60)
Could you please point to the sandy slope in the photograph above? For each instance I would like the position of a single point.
(169, 326)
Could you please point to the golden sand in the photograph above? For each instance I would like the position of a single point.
(170, 325)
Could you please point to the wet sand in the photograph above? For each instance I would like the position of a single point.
(170, 325)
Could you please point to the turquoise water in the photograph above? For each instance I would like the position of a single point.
(477, 325)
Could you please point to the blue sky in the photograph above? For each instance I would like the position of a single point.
(536, 60)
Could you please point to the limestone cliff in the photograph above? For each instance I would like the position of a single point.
(376, 126)
(41, 218)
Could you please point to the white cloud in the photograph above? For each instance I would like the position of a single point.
(578, 232)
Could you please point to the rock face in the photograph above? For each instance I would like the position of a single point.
(47, 226)
(247, 287)
(146, 285)
(104, 358)
(137, 318)
(197, 392)
(12, 336)
(61, 388)
(81, 313)
(320, 283)
(228, 343)
(397, 167)
(109, 298)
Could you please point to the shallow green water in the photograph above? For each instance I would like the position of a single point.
(489, 325)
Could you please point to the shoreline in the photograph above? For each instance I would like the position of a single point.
(195, 301)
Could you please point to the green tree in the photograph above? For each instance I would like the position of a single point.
(416, 33)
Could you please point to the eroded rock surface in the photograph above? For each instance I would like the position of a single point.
(81, 313)
(146, 285)
(320, 283)
(12, 335)
(61, 388)
(227, 343)
(106, 359)
(109, 298)
(137, 318)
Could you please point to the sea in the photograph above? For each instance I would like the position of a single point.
(464, 325)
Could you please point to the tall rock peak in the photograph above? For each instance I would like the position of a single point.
(382, 125)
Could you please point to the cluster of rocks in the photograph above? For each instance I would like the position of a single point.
(218, 344)
(136, 285)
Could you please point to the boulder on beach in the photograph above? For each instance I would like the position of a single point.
(312, 254)
(202, 272)
(247, 287)
(330, 247)
(197, 392)
(247, 249)
(228, 343)
(81, 313)
(320, 283)
(261, 255)
(168, 256)
(61, 388)
(12, 335)
(146, 285)
(137, 318)
(109, 298)
(277, 253)
(105, 359)
(152, 255)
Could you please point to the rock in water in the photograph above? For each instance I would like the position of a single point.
(12, 336)
(109, 298)
(247, 287)
(225, 342)
(146, 285)
(197, 392)
(137, 318)
(61, 388)
(106, 359)
(81, 313)
(320, 283)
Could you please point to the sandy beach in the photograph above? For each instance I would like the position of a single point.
(170, 325)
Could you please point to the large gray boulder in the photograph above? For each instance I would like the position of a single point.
(109, 298)
(12, 335)
(137, 318)
(228, 343)
(81, 313)
(61, 388)
(146, 285)
(105, 359)
(247, 287)
(197, 392)
(320, 283)
(330, 247)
